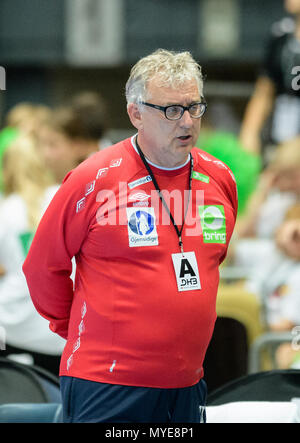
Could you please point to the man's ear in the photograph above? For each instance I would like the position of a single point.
(135, 115)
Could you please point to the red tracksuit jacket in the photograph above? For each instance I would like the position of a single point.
(125, 320)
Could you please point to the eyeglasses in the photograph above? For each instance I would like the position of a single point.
(175, 112)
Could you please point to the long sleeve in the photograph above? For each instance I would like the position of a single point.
(48, 265)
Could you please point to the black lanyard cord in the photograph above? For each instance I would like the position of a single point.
(179, 232)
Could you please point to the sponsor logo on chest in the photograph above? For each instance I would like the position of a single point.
(141, 227)
(213, 223)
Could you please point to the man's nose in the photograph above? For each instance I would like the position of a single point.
(186, 120)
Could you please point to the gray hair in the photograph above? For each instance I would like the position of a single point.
(172, 69)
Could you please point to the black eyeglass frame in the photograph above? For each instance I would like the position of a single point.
(183, 109)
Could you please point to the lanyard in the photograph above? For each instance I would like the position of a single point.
(179, 232)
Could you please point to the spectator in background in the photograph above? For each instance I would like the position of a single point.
(92, 110)
(23, 118)
(61, 141)
(71, 134)
(27, 117)
(275, 90)
(288, 240)
(277, 278)
(278, 189)
(27, 193)
(7, 136)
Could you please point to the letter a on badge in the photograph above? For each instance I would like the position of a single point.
(186, 268)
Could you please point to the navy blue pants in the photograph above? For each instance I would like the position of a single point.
(87, 401)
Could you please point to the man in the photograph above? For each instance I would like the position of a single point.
(142, 311)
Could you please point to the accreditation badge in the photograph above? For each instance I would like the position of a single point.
(186, 271)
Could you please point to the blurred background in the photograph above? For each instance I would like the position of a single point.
(51, 50)
(66, 63)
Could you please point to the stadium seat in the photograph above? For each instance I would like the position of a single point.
(234, 302)
(31, 413)
(22, 383)
(262, 350)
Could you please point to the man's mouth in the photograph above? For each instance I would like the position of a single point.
(185, 137)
